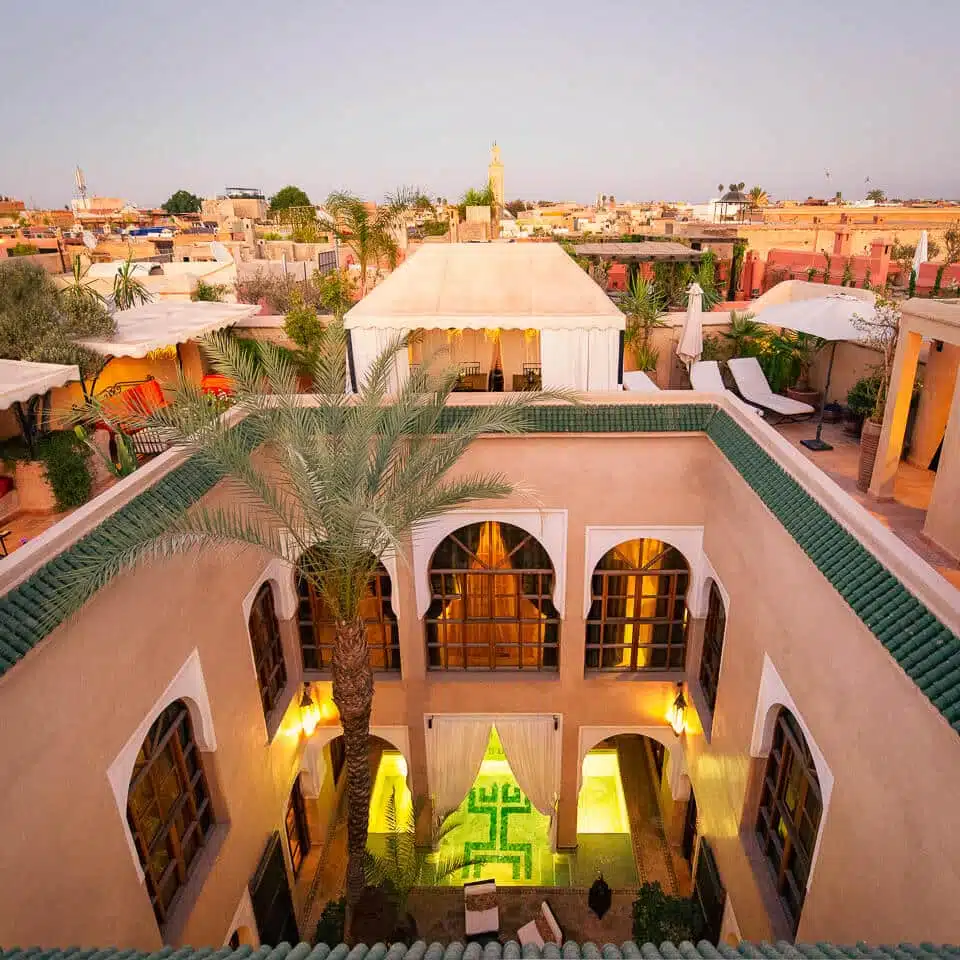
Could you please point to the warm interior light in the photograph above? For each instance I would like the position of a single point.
(328, 711)
(676, 715)
(309, 712)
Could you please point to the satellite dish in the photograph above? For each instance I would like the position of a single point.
(220, 253)
(89, 240)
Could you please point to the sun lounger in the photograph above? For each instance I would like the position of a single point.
(705, 376)
(481, 912)
(753, 387)
(542, 929)
(639, 382)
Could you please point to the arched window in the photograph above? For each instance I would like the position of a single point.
(318, 630)
(712, 646)
(168, 807)
(789, 816)
(492, 602)
(267, 649)
(638, 614)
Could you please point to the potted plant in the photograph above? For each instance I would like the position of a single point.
(861, 400)
(804, 348)
(880, 331)
(643, 306)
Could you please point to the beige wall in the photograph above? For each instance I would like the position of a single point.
(888, 864)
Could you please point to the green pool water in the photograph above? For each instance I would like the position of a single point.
(508, 839)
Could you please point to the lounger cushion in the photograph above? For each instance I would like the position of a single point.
(705, 376)
(543, 929)
(487, 920)
(637, 381)
(754, 388)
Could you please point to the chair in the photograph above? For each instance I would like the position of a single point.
(639, 382)
(481, 910)
(542, 929)
(753, 387)
(705, 376)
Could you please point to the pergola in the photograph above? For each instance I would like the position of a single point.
(936, 435)
(493, 287)
(639, 252)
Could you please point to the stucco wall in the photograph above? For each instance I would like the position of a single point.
(887, 865)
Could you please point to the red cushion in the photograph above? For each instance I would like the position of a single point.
(6, 485)
(137, 401)
(217, 383)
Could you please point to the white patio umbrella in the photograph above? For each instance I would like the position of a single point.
(831, 319)
(691, 338)
(920, 256)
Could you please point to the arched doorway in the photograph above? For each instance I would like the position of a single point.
(631, 811)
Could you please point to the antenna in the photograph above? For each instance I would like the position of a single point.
(89, 240)
(220, 253)
(81, 183)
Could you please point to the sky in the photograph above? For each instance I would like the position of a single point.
(639, 99)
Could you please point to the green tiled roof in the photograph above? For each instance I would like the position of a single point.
(926, 649)
(508, 951)
(923, 646)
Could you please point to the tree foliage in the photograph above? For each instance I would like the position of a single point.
(183, 201)
(288, 196)
(951, 241)
(658, 917)
(359, 474)
(876, 195)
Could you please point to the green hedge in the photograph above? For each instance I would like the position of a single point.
(65, 457)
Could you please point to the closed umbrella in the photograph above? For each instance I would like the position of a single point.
(920, 255)
(691, 339)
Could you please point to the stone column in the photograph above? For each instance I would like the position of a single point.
(942, 525)
(895, 415)
(569, 787)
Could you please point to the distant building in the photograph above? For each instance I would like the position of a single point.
(233, 205)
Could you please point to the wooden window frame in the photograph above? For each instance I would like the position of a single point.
(189, 814)
(600, 624)
(714, 631)
(314, 620)
(267, 645)
(784, 849)
(443, 592)
(296, 828)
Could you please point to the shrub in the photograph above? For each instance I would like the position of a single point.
(65, 457)
(658, 917)
(22, 250)
(862, 397)
(209, 292)
(330, 926)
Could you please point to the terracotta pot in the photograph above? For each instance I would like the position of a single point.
(869, 441)
(34, 493)
(811, 397)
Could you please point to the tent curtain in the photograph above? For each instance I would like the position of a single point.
(530, 745)
(368, 344)
(580, 359)
(455, 749)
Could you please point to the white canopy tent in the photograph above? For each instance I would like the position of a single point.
(495, 286)
(152, 326)
(22, 379)
(830, 318)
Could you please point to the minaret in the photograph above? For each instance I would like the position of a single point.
(495, 175)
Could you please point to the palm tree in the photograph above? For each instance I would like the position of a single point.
(758, 197)
(80, 290)
(745, 334)
(128, 291)
(357, 475)
(370, 235)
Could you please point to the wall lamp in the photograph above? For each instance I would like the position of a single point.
(309, 712)
(677, 714)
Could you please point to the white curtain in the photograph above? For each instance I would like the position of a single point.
(367, 344)
(580, 359)
(455, 749)
(530, 744)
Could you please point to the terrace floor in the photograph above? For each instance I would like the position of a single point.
(904, 515)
